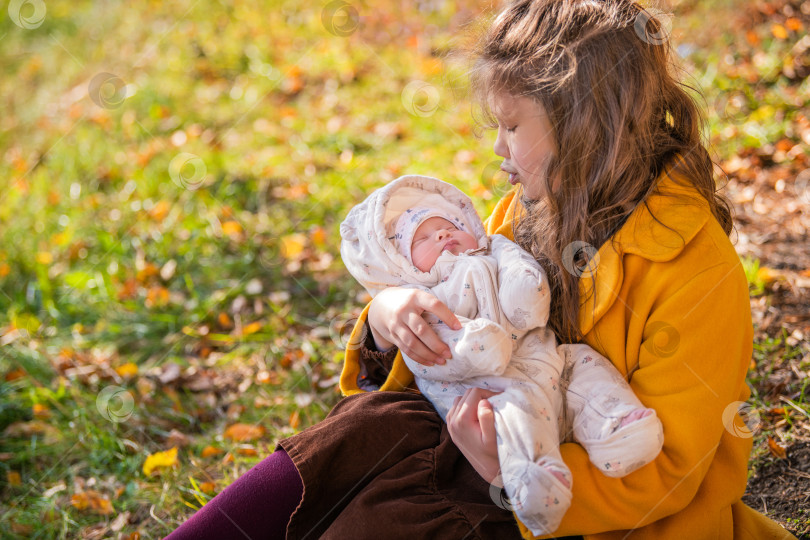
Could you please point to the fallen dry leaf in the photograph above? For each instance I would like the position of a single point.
(208, 487)
(127, 370)
(295, 420)
(92, 501)
(244, 432)
(209, 451)
(13, 478)
(157, 460)
(776, 449)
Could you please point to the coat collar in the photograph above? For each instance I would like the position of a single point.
(657, 231)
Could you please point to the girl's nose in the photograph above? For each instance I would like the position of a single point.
(501, 148)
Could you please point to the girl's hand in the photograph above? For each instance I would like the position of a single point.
(471, 424)
(395, 319)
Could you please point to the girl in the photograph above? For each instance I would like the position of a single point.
(604, 147)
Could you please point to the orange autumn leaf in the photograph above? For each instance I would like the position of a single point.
(208, 487)
(127, 370)
(160, 210)
(15, 374)
(292, 245)
(158, 460)
(4, 269)
(768, 275)
(224, 321)
(231, 228)
(244, 432)
(295, 420)
(128, 290)
(92, 501)
(251, 328)
(248, 451)
(793, 24)
(209, 451)
(149, 270)
(318, 236)
(40, 411)
(13, 478)
(752, 38)
(776, 449)
(779, 31)
(157, 296)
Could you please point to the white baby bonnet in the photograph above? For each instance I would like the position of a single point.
(368, 246)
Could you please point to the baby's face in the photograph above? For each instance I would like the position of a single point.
(435, 235)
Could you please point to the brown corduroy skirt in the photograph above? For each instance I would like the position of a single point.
(382, 465)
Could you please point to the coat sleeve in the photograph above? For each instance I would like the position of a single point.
(399, 376)
(696, 347)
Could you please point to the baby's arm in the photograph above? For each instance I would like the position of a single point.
(481, 348)
(523, 290)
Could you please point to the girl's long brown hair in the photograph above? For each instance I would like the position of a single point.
(602, 71)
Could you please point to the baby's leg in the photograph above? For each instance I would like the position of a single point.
(607, 419)
(537, 481)
(481, 348)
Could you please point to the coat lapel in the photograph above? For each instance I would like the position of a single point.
(657, 231)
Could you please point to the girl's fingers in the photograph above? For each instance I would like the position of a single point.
(411, 346)
(420, 342)
(431, 304)
(486, 418)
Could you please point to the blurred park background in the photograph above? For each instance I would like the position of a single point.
(172, 179)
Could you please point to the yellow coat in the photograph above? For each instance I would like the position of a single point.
(671, 311)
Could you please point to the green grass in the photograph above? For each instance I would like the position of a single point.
(113, 253)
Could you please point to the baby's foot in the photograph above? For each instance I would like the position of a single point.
(635, 414)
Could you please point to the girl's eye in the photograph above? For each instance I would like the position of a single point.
(511, 129)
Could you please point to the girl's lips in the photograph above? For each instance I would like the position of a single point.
(513, 177)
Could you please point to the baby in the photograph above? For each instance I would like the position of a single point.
(421, 232)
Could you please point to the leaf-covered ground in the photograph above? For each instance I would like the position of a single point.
(173, 175)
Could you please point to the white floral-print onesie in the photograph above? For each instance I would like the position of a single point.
(500, 294)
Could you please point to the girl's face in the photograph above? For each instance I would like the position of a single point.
(525, 141)
(433, 236)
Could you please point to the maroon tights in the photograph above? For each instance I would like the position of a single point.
(257, 505)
